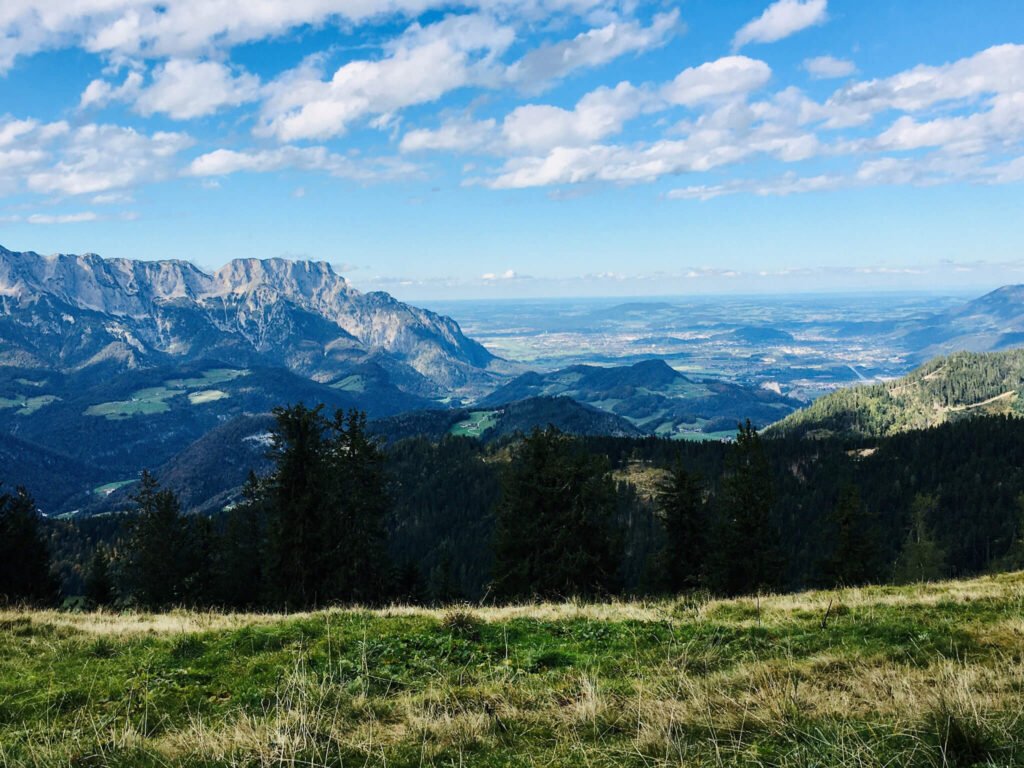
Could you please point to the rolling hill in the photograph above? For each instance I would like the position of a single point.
(990, 323)
(653, 396)
(958, 386)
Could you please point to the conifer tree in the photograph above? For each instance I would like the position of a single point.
(358, 506)
(854, 557)
(161, 564)
(749, 554)
(296, 493)
(99, 585)
(922, 559)
(243, 557)
(24, 558)
(554, 521)
(680, 502)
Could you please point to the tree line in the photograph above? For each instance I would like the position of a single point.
(342, 519)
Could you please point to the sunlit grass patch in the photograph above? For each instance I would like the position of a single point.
(928, 675)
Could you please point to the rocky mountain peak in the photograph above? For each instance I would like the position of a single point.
(301, 313)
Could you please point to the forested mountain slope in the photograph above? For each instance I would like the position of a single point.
(961, 385)
(654, 397)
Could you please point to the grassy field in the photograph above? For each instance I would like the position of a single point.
(26, 406)
(477, 423)
(145, 402)
(917, 676)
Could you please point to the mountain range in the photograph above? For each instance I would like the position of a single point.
(108, 366)
(70, 313)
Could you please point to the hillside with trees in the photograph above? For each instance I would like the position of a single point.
(338, 517)
(962, 385)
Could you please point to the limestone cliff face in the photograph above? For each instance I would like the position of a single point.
(70, 311)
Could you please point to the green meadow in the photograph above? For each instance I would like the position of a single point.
(928, 675)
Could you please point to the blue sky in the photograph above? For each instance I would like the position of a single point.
(538, 148)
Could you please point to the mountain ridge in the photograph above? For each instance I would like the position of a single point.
(133, 310)
(956, 386)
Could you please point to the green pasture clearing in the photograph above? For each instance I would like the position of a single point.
(927, 676)
(477, 423)
(26, 406)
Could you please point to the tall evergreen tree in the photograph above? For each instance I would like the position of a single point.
(296, 493)
(24, 558)
(854, 557)
(99, 585)
(680, 503)
(554, 532)
(922, 559)
(354, 523)
(161, 563)
(243, 564)
(749, 554)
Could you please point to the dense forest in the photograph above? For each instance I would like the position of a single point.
(342, 518)
(964, 384)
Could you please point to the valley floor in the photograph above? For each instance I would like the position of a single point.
(928, 675)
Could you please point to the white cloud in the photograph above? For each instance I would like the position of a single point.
(508, 274)
(67, 218)
(459, 135)
(180, 88)
(99, 93)
(598, 114)
(782, 19)
(97, 158)
(422, 65)
(195, 28)
(592, 48)
(829, 67)
(223, 162)
(539, 127)
(728, 76)
(999, 69)
(185, 89)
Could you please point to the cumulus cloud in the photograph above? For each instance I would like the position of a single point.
(829, 67)
(224, 162)
(421, 66)
(185, 89)
(459, 135)
(97, 158)
(53, 158)
(728, 76)
(999, 69)
(598, 114)
(592, 48)
(180, 88)
(782, 19)
(194, 28)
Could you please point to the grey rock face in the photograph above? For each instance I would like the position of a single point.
(69, 311)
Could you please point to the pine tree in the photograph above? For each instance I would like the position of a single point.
(1013, 559)
(243, 554)
(749, 554)
(680, 502)
(354, 522)
(25, 574)
(296, 493)
(922, 559)
(159, 562)
(99, 585)
(854, 558)
(554, 534)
